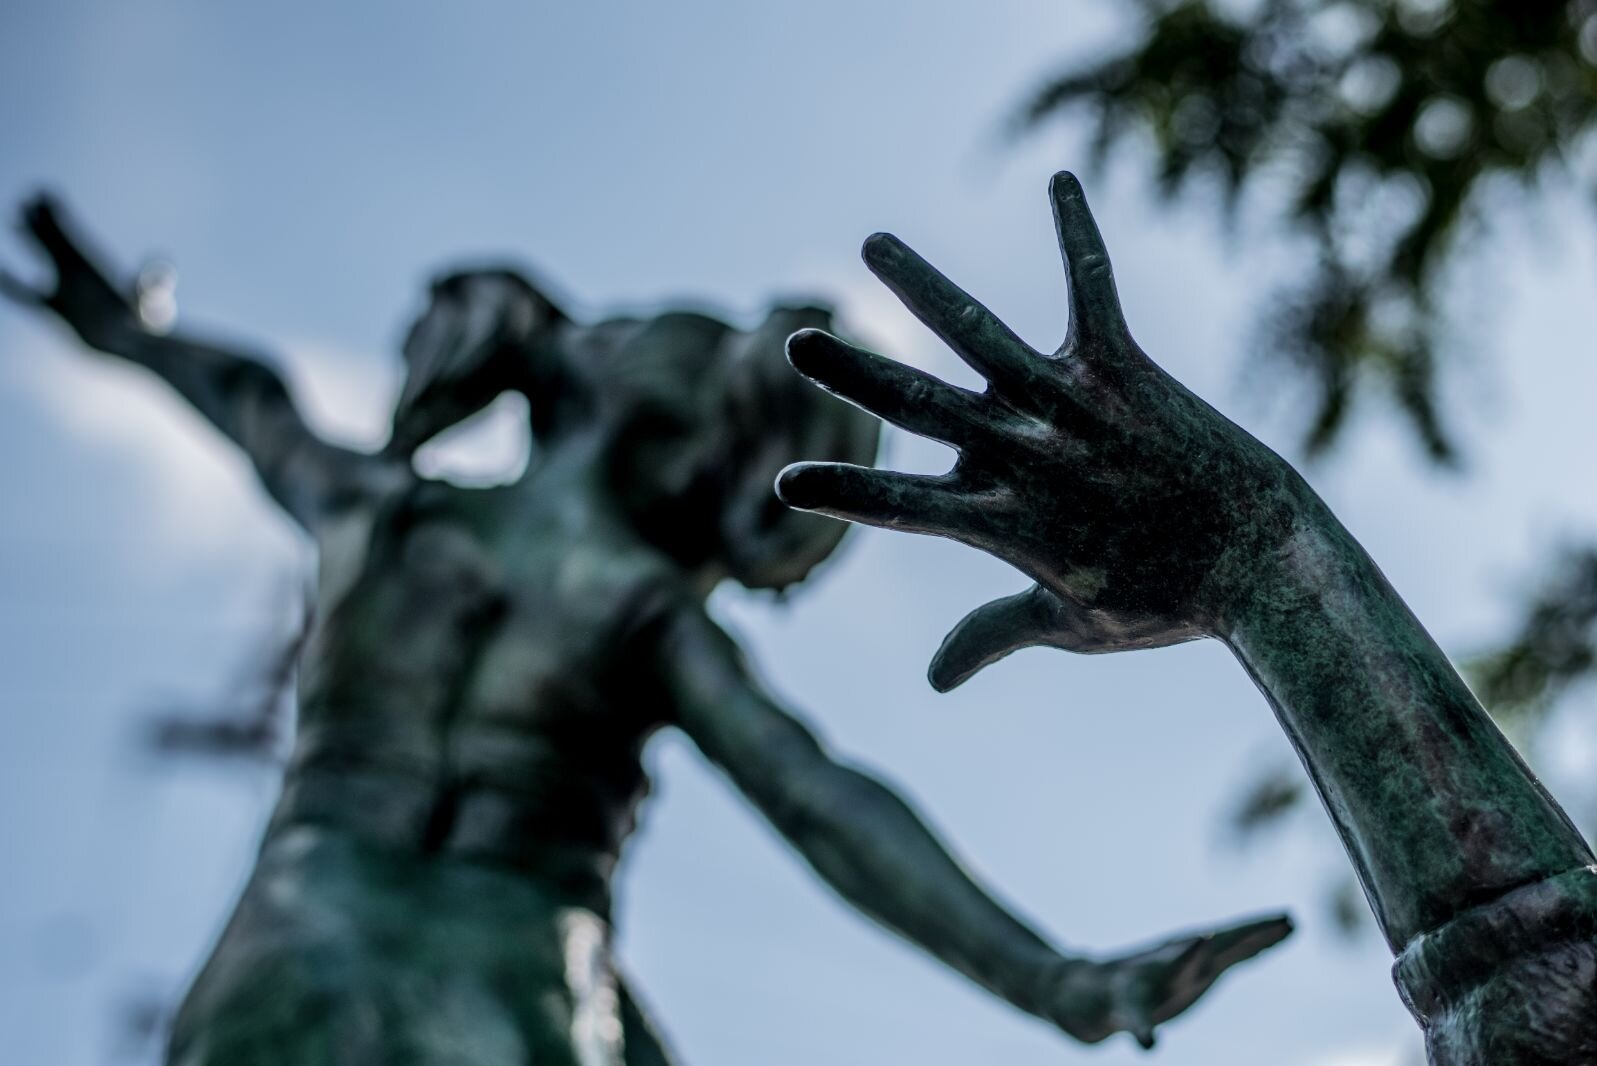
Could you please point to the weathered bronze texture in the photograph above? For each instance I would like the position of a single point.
(1147, 518)
(486, 666)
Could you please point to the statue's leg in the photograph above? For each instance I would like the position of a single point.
(294, 981)
(284, 1010)
(342, 954)
(642, 1041)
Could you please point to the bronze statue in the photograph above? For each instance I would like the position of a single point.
(487, 664)
(1146, 518)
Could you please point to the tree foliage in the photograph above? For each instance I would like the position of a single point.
(1555, 647)
(1381, 123)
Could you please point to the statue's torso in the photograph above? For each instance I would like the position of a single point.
(474, 700)
(479, 683)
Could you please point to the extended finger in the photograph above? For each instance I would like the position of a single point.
(1094, 304)
(910, 399)
(913, 503)
(974, 333)
(1201, 961)
(42, 217)
(1227, 947)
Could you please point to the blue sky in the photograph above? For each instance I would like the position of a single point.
(308, 166)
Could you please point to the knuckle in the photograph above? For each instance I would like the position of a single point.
(1094, 266)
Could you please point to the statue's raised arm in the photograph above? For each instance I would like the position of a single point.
(238, 393)
(1147, 518)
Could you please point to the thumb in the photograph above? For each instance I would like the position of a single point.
(994, 630)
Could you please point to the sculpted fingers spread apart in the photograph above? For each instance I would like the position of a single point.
(1091, 470)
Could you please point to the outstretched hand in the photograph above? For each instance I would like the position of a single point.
(1136, 992)
(1092, 470)
(82, 295)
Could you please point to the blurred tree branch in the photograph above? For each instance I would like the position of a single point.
(1556, 644)
(1383, 119)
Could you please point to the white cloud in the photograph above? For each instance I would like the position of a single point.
(492, 447)
(199, 494)
(344, 396)
(202, 494)
(351, 398)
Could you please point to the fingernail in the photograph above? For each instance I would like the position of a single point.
(805, 348)
(1064, 184)
(882, 249)
(943, 678)
(796, 486)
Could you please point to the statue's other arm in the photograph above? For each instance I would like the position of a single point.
(873, 849)
(1147, 518)
(240, 394)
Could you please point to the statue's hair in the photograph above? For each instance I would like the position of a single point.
(518, 278)
(441, 403)
(759, 416)
(778, 418)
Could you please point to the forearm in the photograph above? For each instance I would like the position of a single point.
(227, 387)
(248, 402)
(873, 849)
(1437, 811)
(231, 389)
(242, 396)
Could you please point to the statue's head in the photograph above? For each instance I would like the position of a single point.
(474, 341)
(693, 417)
(698, 418)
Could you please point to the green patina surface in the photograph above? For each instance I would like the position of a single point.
(487, 664)
(1147, 518)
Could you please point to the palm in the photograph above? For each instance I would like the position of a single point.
(1090, 469)
(1136, 992)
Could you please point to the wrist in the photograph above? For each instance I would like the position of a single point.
(1074, 997)
(118, 332)
(1288, 552)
